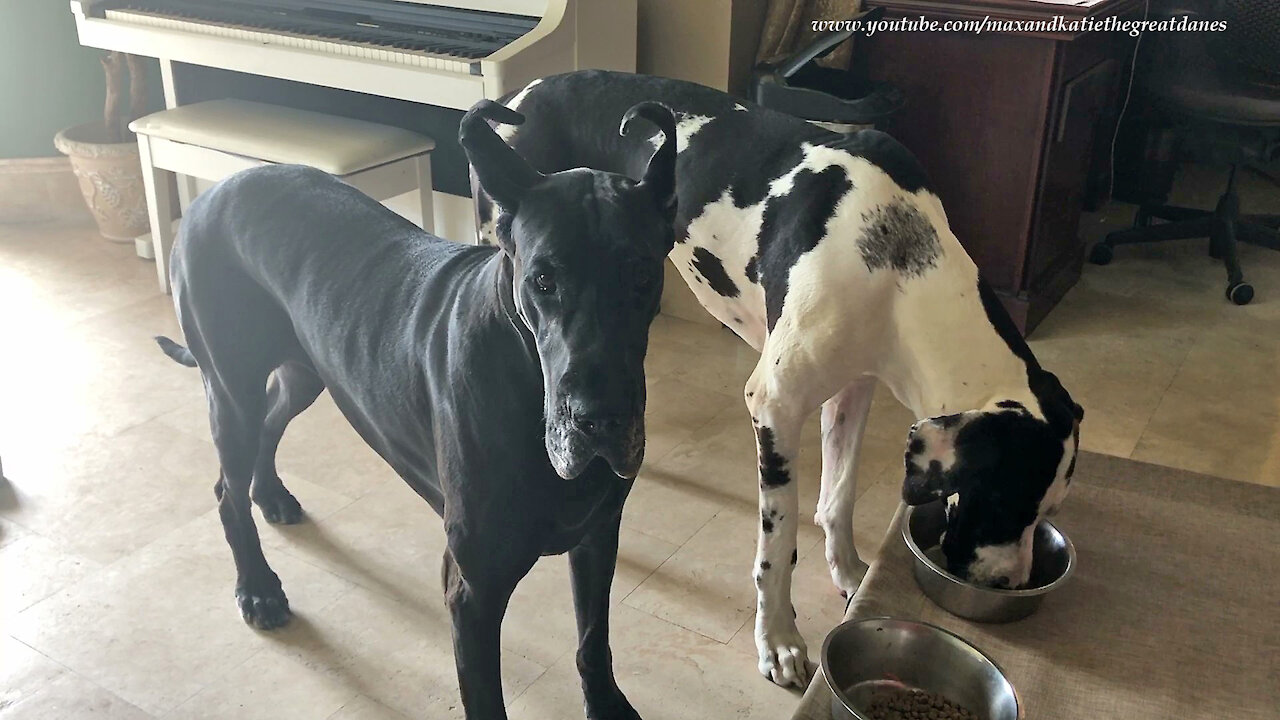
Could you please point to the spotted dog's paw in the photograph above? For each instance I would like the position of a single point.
(263, 608)
(784, 658)
(279, 507)
(846, 572)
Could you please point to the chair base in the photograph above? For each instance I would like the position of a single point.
(1224, 226)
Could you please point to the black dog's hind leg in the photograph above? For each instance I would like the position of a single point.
(236, 413)
(477, 602)
(591, 566)
(293, 388)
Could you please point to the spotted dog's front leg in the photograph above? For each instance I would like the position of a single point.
(783, 655)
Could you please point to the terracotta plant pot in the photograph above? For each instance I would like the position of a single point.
(110, 176)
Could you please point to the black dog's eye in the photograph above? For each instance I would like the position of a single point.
(545, 282)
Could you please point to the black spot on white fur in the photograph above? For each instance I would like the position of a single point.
(773, 467)
(897, 237)
(751, 271)
(881, 150)
(710, 267)
(793, 224)
(768, 518)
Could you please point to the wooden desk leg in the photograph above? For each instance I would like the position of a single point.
(160, 209)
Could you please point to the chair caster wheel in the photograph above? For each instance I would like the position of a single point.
(1101, 254)
(1240, 293)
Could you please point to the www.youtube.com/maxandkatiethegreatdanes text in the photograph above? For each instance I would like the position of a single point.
(1056, 24)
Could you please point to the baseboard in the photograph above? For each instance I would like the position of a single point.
(34, 190)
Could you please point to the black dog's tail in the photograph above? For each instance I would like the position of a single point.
(179, 354)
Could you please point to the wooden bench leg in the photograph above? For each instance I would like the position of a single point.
(186, 183)
(425, 201)
(160, 209)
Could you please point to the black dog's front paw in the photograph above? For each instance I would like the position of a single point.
(263, 609)
(279, 507)
(614, 707)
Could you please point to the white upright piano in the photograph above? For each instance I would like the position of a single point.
(448, 53)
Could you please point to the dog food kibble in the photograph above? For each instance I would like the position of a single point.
(903, 704)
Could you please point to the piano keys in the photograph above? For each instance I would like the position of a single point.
(449, 54)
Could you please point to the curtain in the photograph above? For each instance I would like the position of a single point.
(788, 27)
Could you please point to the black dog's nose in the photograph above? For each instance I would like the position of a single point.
(598, 424)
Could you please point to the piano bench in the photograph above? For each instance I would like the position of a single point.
(211, 140)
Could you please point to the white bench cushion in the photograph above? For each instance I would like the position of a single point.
(337, 145)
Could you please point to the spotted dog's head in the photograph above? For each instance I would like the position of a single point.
(1000, 470)
(586, 251)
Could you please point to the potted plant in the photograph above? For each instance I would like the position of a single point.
(104, 154)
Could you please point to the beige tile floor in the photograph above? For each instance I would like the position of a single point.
(115, 582)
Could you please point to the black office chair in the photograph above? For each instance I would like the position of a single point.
(1219, 92)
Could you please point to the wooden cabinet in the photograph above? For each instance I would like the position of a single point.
(1009, 127)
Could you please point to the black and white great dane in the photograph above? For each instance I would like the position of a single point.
(829, 255)
(506, 386)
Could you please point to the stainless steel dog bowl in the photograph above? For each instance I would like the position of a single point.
(1053, 559)
(861, 658)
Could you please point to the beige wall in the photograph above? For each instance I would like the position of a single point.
(711, 42)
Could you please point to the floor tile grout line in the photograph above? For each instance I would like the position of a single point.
(675, 549)
(41, 653)
(69, 670)
(211, 682)
(1155, 408)
(673, 623)
(104, 567)
(683, 441)
(532, 682)
(668, 558)
(355, 585)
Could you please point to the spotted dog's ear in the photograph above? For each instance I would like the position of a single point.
(931, 459)
(1060, 410)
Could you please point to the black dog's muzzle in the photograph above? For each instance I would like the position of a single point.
(576, 435)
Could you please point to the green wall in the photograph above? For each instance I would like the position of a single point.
(47, 81)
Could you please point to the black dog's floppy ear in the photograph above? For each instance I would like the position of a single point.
(660, 175)
(504, 175)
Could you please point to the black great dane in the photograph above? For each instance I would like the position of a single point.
(505, 385)
(829, 254)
